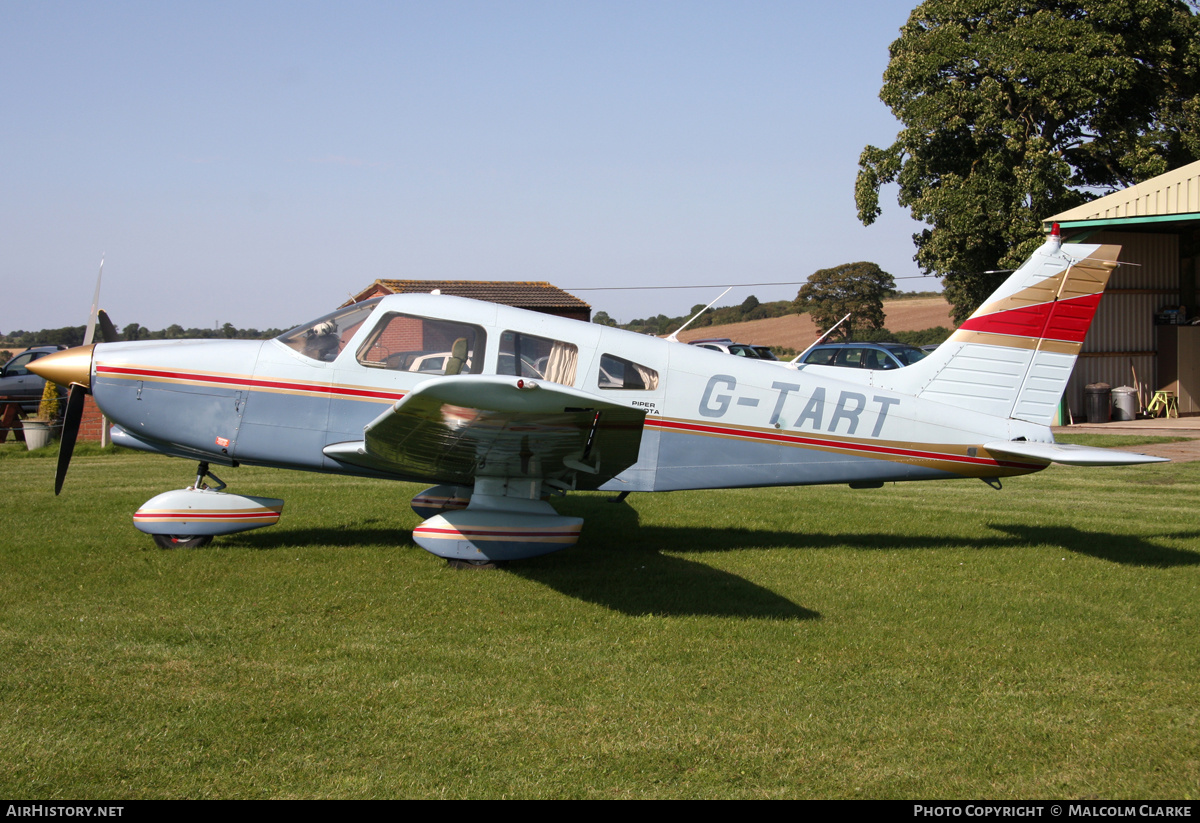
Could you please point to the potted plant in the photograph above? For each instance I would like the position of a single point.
(38, 429)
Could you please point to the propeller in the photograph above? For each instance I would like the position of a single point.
(70, 431)
(108, 332)
(73, 367)
(90, 332)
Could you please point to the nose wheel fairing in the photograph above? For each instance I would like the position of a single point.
(205, 512)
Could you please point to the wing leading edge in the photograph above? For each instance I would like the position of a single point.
(457, 429)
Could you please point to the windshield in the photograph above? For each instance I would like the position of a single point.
(324, 338)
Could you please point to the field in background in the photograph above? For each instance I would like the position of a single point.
(920, 640)
(797, 331)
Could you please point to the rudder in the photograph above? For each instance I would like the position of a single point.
(1014, 355)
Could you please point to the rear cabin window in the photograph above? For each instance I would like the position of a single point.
(524, 355)
(619, 373)
(821, 357)
(405, 342)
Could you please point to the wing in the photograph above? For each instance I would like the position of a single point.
(1069, 455)
(455, 429)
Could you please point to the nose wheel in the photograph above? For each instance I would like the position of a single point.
(189, 518)
(181, 541)
(191, 541)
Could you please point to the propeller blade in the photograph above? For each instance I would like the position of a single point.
(107, 330)
(70, 431)
(90, 333)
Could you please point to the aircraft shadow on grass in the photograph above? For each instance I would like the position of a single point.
(634, 579)
(363, 533)
(1127, 549)
(649, 582)
(633, 569)
(1130, 550)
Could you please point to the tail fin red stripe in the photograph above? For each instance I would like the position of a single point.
(1071, 319)
(1059, 320)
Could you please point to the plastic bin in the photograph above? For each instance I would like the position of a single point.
(1098, 402)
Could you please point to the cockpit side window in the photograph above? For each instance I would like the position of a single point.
(324, 338)
(405, 342)
(524, 355)
(619, 373)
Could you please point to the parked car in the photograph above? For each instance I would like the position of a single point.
(864, 355)
(18, 383)
(724, 344)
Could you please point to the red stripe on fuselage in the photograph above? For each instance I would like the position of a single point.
(242, 382)
(866, 448)
(854, 446)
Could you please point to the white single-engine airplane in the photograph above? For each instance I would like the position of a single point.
(503, 408)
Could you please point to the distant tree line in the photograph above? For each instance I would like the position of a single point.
(858, 289)
(749, 309)
(73, 335)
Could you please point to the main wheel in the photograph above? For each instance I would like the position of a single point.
(181, 541)
(455, 563)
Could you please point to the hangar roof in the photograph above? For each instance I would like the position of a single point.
(1172, 197)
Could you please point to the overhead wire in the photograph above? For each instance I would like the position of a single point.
(717, 286)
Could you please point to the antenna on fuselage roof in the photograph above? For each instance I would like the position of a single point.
(817, 342)
(675, 334)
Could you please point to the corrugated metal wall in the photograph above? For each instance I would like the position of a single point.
(1122, 335)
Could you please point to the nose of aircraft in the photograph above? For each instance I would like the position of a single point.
(66, 367)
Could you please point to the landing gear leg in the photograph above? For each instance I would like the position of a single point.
(203, 472)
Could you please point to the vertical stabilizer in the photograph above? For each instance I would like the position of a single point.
(1014, 355)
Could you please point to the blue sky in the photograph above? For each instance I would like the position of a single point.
(256, 162)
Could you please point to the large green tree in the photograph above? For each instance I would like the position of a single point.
(1014, 110)
(854, 288)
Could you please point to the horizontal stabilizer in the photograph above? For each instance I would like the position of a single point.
(1070, 455)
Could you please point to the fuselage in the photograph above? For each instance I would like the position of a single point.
(712, 420)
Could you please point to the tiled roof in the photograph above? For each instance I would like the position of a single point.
(524, 294)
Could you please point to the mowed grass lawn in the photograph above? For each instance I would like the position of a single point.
(920, 640)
